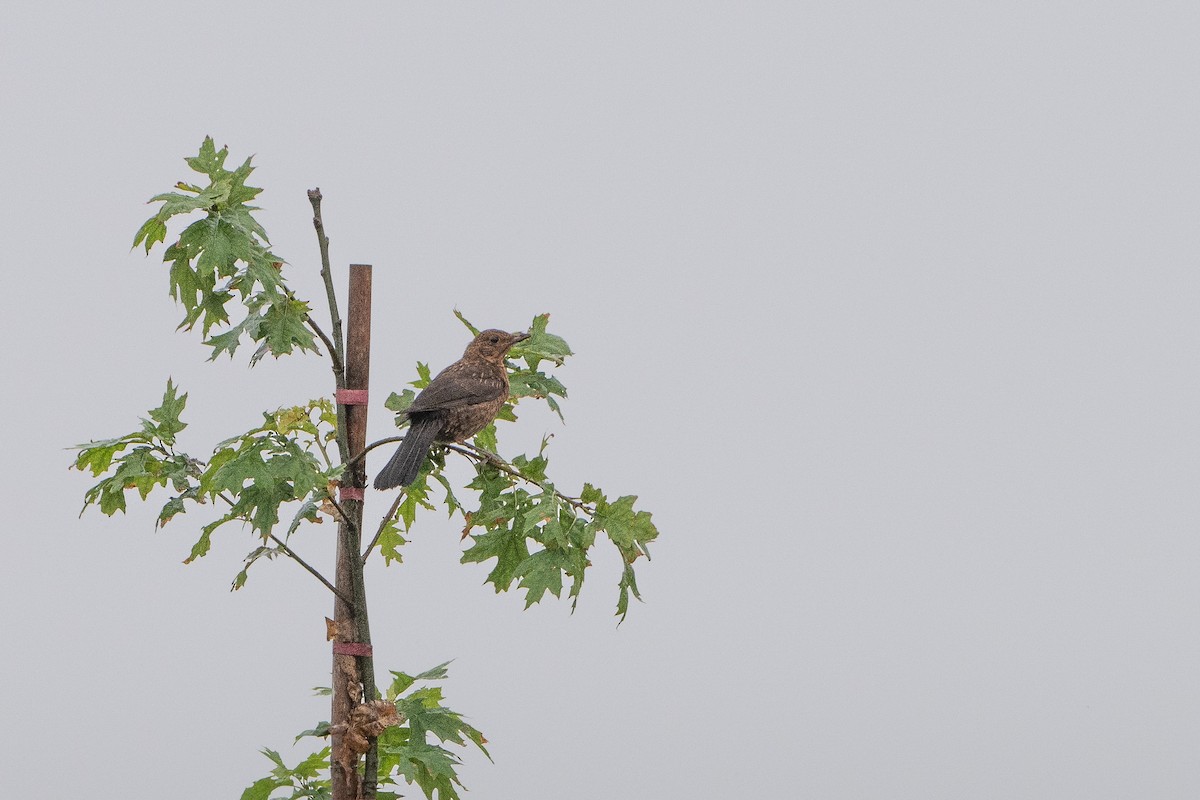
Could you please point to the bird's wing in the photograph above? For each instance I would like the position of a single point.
(455, 391)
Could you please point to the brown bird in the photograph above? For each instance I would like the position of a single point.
(457, 404)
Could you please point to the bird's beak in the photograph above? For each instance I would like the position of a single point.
(519, 337)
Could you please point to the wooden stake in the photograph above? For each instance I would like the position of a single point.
(353, 676)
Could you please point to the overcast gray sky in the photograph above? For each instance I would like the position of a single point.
(888, 312)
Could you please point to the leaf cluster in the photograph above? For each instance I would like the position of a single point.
(540, 538)
(258, 471)
(283, 460)
(530, 381)
(225, 254)
(144, 459)
(405, 751)
(308, 779)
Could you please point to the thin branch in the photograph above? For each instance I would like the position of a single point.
(292, 554)
(314, 197)
(336, 359)
(342, 513)
(324, 453)
(337, 354)
(481, 455)
(382, 525)
(373, 445)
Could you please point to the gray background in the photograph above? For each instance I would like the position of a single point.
(888, 312)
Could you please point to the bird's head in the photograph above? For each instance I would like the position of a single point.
(493, 344)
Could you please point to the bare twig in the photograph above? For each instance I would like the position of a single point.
(314, 197)
(382, 525)
(336, 342)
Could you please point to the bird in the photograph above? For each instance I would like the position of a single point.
(458, 403)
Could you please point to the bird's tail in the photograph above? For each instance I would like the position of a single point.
(410, 455)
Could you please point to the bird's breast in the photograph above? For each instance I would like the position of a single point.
(464, 422)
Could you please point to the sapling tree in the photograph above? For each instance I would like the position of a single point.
(303, 464)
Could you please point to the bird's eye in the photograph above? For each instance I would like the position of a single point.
(495, 339)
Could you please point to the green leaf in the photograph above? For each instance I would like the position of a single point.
(259, 552)
(210, 310)
(486, 438)
(526, 383)
(627, 585)
(628, 529)
(239, 192)
(309, 511)
(419, 700)
(532, 468)
(400, 683)
(474, 331)
(97, 457)
(215, 244)
(390, 542)
(166, 416)
(579, 534)
(284, 328)
(320, 731)
(542, 345)
(452, 504)
(169, 510)
(261, 789)
(423, 376)
(431, 768)
(186, 287)
(400, 402)
(204, 543)
(209, 161)
(153, 230)
(311, 766)
(440, 672)
(240, 218)
(415, 496)
(174, 203)
(541, 573)
(228, 341)
(273, 755)
(507, 547)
